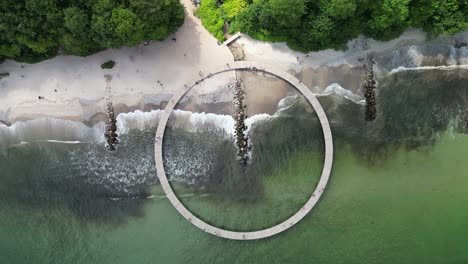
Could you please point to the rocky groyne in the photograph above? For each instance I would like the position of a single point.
(240, 128)
(111, 121)
(368, 88)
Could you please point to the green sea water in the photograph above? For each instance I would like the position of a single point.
(409, 208)
(397, 193)
(284, 193)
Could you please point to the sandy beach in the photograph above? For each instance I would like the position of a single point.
(280, 54)
(74, 87)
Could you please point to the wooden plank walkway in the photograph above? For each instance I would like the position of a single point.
(232, 39)
(328, 160)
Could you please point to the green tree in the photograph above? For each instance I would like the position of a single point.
(447, 17)
(341, 9)
(78, 37)
(287, 13)
(9, 50)
(318, 24)
(389, 19)
(9, 46)
(101, 24)
(233, 7)
(248, 20)
(76, 20)
(212, 18)
(33, 30)
(160, 18)
(320, 33)
(128, 29)
(421, 11)
(40, 25)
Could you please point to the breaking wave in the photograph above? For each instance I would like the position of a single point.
(423, 57)
(345, 93)
(59, 130)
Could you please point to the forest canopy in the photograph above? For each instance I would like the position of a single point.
(319, 24)
(33, 30)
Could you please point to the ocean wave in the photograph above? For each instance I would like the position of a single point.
(53, 141)
(73, 132)
(422, 56)
(335, 88)
(426, 68)
(51, 129)
(180, 119)
(137, 120)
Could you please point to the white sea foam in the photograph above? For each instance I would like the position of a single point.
(415, 54)
(50, 129)
(425, 68)
(137, 120)
(335, 88)
(418, 56)
(194, 121)
(72, 132)
(55, 141)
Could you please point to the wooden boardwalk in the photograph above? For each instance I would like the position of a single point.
(232, 39)
(328, 161)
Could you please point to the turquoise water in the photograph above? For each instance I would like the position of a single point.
(397, 193)
(409, 209)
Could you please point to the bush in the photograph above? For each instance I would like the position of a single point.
(231, 8)
(212, 18)
(314, 25)
(108, 64)
(35, 30)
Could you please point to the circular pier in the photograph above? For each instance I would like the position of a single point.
(255, 68)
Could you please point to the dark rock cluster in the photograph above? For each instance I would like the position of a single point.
(111, 121)
(369, 85)
(240, 116)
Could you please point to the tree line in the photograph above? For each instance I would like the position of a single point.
(34, 30)
(310, 25)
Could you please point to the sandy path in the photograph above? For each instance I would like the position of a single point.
(79, 81)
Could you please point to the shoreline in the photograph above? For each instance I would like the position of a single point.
(145, 77)
(159, 68)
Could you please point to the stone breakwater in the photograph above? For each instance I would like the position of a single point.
(368, 88)
(111, 121)
(240, 128)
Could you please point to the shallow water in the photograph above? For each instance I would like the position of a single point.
(396, 195)
(408, 209)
